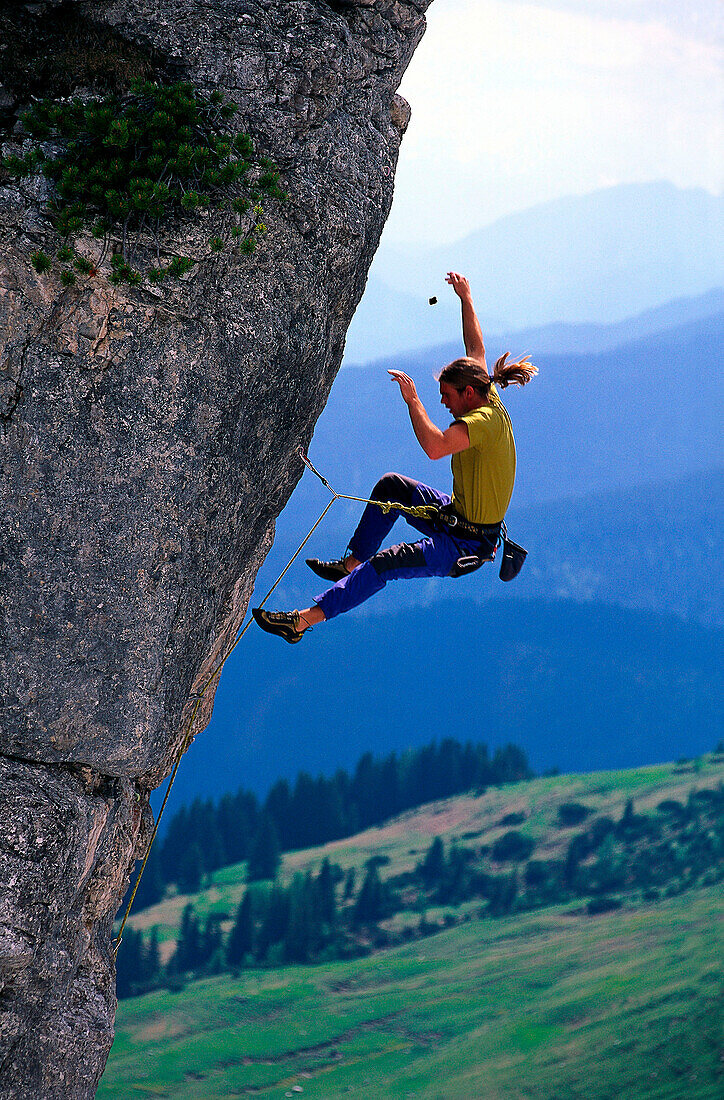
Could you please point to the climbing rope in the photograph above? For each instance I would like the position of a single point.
(422, 511)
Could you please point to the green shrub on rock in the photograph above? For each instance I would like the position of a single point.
(127, 165)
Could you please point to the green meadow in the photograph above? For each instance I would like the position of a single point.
(551, 1004)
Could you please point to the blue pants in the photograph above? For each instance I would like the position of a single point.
(432, 556)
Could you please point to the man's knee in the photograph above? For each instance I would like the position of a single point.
(406, 555)
(392, 486)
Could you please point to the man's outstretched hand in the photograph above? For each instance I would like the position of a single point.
(407, 386)
(460, 284)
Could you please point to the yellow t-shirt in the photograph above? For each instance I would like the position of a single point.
(483, 475)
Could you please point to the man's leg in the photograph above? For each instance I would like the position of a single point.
(375, 524)
(430, 557)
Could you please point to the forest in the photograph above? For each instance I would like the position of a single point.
(606, 861)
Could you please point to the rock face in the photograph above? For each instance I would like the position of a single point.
(148, 443)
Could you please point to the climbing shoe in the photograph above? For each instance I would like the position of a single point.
(283, 623)
(328, 570)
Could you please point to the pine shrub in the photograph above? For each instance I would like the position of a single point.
(126, 165)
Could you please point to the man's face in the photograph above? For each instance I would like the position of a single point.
(456, 403)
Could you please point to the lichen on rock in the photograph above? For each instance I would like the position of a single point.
(149, 440)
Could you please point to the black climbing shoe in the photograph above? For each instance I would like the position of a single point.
(328, 570)
(283, 623)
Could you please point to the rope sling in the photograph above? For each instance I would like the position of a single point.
(422, 511)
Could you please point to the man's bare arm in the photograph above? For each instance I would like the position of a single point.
(472, 333)
(434, 442)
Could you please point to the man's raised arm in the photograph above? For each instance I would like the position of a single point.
(434, 442)
(472, 333)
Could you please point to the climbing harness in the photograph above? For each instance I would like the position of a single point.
(422, 511)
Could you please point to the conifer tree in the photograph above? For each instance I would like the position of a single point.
(350, 882)
(326, 900)
(211, 955)
(370, 906)
(188, 949)
(303, 933)
(264, 856)
(279, 806)
(274, 922)
(241, 937)
(190, 869)
(432, 868)
(152, 958)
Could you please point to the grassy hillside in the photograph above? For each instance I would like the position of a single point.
(553, 1004)
(470, 820)
(549, 1003)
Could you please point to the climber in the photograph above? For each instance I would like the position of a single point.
(466, 527)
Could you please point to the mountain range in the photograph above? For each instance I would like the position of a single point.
(653, 547)
(638, 414)
(597, 258)
(577, 686)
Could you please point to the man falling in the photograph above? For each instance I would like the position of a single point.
(467, 525)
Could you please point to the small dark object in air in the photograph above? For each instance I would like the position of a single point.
(432, 301)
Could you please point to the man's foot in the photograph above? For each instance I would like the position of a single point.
(283, 623)
(330, 570)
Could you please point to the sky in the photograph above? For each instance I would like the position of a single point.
(515, 103)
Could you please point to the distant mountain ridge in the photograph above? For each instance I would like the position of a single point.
(559, 339)
(639, 413)
(653, 547)
(576, 686)
(597, 258)
(629, 440)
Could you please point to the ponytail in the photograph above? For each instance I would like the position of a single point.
(471, 372)
(518, 373)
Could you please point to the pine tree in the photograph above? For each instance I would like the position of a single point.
(350, 882)
(152, 958)
(305, 810)
(326, 900)
(176, 842)
(432, 868)
(188, 948)
(274, 922)
(370, 905)
(190, 869)
(238, 818)
(204, 827)
(211, 956)
(279, 806)
(241, 937)
(303, 934)
(264, 856)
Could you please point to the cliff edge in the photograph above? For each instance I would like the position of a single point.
(149, 441)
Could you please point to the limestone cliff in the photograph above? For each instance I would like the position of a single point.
(148, 444)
